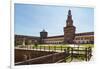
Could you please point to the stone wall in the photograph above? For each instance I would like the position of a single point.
(22, 55)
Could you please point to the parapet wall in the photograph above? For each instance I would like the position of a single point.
(22, 54)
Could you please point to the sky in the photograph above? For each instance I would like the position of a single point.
(31, 19)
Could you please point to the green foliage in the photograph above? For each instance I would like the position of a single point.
(87, 45)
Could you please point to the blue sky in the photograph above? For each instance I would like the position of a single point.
(30, 19)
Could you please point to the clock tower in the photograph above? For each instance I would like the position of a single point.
(69, 30)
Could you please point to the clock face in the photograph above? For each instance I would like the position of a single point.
(68, 23)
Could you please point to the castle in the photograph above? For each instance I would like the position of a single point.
(69, 37)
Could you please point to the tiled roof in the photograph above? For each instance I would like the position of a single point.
(77, 34)
(26, 36)
(85, 33)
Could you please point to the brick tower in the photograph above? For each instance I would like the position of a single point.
(69, 30)
(43, 35)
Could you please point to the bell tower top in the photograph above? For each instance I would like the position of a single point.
(69, 12)
(69, 21)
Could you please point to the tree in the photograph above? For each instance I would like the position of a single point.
(36, 43)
